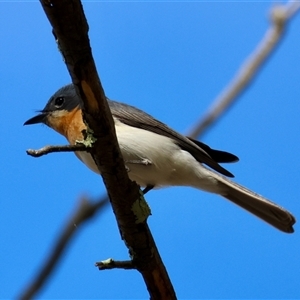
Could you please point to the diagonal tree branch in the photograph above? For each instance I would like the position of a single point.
(280, 15)
(71, 31)
(85, 211)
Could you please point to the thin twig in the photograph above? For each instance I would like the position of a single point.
(50, 149)
(109, 264)
(280, 15)
(85, 211)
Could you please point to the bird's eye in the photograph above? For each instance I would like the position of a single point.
(59, 101)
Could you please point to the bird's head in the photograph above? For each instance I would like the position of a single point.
(59, 110)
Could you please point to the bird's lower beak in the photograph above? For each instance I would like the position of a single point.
(41, 118)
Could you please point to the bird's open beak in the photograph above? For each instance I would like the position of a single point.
(41, 118)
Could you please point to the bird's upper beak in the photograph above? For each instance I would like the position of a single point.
(41, 118)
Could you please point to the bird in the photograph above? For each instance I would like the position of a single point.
(157, 156)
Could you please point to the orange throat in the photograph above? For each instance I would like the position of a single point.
(70, 125)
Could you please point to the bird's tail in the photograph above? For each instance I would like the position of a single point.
(256, 204)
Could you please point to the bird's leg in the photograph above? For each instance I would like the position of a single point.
(147, 189)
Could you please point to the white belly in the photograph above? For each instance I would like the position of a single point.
(168, 163)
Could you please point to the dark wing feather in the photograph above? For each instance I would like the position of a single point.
(137, 118)
(217, 155)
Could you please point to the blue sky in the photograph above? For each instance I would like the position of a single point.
(170, 59)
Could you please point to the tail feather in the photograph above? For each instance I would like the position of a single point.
(270, 213)
(261, 207)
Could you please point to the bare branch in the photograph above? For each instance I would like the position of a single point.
(280, 15)
(70, 29)
(109, 264)
(85, 211)
(50, 149)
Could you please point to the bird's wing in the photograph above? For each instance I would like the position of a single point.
(134, 117)
(217, 155)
